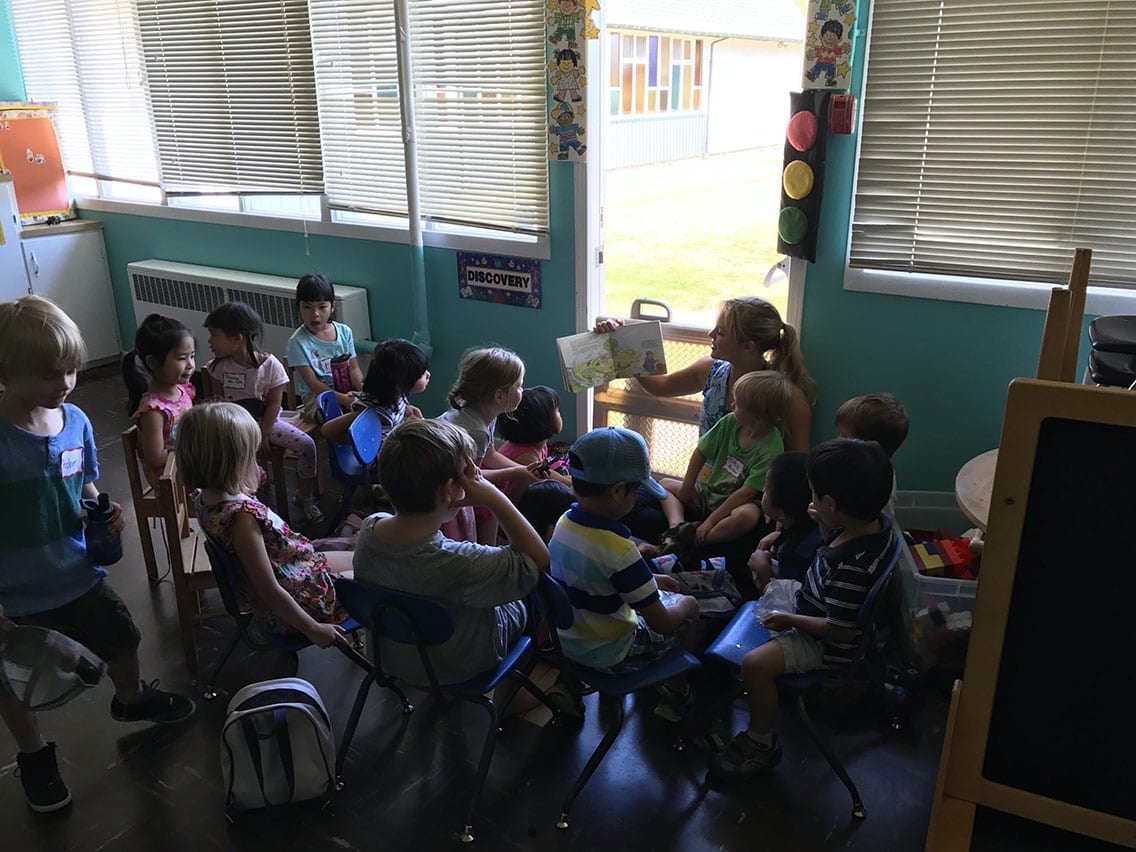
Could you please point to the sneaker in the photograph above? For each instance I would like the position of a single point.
(43, 788)
(312, 513)
(154, 705)
(566, 701)
(744, 758)
(674, 706)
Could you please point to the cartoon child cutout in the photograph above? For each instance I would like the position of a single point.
(567, 76)
(827, 52)
(567, 132)
(565, 16)
(650, 365)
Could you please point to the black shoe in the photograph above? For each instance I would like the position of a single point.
(153, 705)
(43, 788)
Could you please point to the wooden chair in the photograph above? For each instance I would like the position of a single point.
(189, 564)
(292, 403)
(144, 498)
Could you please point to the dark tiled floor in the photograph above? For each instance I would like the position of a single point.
(137, 787)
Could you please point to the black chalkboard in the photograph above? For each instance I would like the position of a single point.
(1063, 721)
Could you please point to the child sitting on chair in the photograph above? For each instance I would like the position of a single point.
(788, 551)
(726, 473)
(850, 483)
(284, 581)
(878, 417)
(428, 472)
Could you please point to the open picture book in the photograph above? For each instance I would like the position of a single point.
(591, 359)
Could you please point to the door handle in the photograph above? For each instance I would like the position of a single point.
(35, 263)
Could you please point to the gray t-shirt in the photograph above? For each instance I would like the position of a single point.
(471, 421)
(478, 584)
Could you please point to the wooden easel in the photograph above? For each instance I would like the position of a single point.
(1061, 335)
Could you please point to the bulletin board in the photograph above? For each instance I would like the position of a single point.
(29, 150)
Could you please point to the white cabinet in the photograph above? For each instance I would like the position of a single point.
(67, 264)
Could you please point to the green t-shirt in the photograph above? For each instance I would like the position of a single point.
(728, 467)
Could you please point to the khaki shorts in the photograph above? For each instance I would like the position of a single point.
(802, 652)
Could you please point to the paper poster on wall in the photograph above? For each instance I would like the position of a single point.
(502, 280)
(828, 44)
(30, 151)
(569, 24)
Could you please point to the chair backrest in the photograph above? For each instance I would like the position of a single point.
(341, 458)
(172, 505)
(291, 401)
(871, 600)
(138, 486)
(366, 432)
(225, 569)
(397, 616)
(555, 599)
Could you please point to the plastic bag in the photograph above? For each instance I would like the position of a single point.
(779, 596)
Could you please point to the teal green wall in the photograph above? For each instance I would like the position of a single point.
(949, 363)
(11, 77)
(383, 269)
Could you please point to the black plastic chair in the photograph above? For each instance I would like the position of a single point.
(1112, 358)
(424, 623)
(745, 632)
(612, 688)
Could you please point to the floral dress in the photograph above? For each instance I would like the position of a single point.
(300, 569)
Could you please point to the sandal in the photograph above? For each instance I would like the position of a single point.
(679, 538)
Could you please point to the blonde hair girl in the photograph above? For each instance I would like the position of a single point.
(488, 385)
(284, 580)
(748, 336)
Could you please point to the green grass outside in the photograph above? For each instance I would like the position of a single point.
(692, 233)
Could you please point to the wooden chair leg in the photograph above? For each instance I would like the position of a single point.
(148, 555)
(280, 483)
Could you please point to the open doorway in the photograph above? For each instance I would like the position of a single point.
(697, 98)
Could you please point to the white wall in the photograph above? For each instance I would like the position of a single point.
(749, 86)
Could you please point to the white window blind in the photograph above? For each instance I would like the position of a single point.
(232, 92)
(480, 102)
(357, 82)
(84, 56)
(997, 137)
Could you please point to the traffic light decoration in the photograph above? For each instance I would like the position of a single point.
(802, 179)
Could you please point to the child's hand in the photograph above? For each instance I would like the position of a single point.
(769, 540)
(539, 469)
(345, 399)
(702, 532)
(413, 412)
(117, 522)
(777, 620)
(761, 566)
(667, 583)
(524, 476)
(325, 635)
(477, 488)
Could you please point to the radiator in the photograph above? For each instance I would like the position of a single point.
(188, 293)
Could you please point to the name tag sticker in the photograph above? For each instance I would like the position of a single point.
(733, 466)
(71, 462)
(234, 381)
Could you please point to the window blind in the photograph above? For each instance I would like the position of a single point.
(232, 93)
(84, 55)
(480, 101)
(996, 137)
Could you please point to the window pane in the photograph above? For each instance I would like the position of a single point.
(640, 85)
(686, 82)
(628, 86)
(614, 41)
(698, 62)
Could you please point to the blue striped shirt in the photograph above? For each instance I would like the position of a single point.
(607, 580)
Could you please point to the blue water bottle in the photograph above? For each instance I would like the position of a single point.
(103, 546)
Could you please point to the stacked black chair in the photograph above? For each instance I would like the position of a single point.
(1112, 359)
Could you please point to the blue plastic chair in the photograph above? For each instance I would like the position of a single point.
(415, 620)
(612, 688)
(745, 632)
(350, 463)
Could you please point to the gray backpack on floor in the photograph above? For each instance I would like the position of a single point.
(277, 746)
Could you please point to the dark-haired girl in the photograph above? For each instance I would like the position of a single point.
(398, 369)
(243, 374)
(527, 430)
(157, 373)
(788, 551)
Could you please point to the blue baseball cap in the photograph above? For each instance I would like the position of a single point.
(610, 455)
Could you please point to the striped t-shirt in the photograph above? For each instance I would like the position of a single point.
(837, 582)
(607, 580)
(43, 557)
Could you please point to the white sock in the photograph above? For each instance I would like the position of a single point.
(40, 743)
